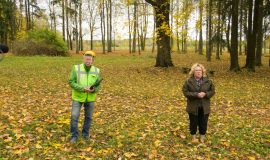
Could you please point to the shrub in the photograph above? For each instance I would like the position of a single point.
(41, 42)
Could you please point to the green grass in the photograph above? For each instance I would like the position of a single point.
(139, 114)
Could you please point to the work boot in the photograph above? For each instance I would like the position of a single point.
(73, 139)
(86, 138)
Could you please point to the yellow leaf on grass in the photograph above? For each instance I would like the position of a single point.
(119, 144)
(183, 136)
(225, 143)
(38, 146)
(104, 151)
(39, 130)
(64, 120)
(130, 154)
(18, 136)
(96, 114)
(8, 139)
(56, 145)
(88, 149)
(251, 158)
(157, 143)
(199, 157)
(153, 154)
(21, 151)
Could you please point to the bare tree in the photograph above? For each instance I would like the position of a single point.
(135, 21)
(102, 24)
(109, 25)
(63, 19)
(209, 31)
(201, 24)
(129, 28)
(91, 9)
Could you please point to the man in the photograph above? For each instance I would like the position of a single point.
(82, 77)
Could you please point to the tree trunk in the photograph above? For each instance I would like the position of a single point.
(258, 60)
(70, 32)
(102, 25)
(218, 42)
(134, 28)
(200, 34)
(185, 36)
(234, 37)
(91, 40)
(184, 29)
(109, 25)
(63, 20)
(171, 10)
(75, 32)
(162, 10)
(266, 25)
(27, 14)
(228, 31)
(264, 35)
(20, 21)
(144, 27)
(221, 34)
(209, 50)
(92, 17)
(245, 28)
(13, 26)
(240, 25)
(252, 35)
(129, 29)
(80, 27)
(207, 30)
(182, 39)
(154, 32)
(177, 28)
(138, 34)
(67, 25)
(269, 54)
(196, 41)
(54, 18)
(114, 39)
(110, 48)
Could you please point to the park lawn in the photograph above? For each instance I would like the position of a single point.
(139, 114)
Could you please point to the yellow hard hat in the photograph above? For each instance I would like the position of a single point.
(90, 53)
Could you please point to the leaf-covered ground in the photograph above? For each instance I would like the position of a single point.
(139, 114)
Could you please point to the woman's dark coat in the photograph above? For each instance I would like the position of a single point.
(191, 90)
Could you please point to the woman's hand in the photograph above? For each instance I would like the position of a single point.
(201, 94)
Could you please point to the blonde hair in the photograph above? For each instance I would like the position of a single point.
(192, 70)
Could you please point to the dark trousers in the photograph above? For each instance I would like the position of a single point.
(196, 121)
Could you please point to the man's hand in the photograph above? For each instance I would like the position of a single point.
(92, 90)
(88, 90)
(201, 94)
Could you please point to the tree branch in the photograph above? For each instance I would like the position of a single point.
(153, 3)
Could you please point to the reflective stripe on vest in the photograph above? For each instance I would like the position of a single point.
(83, 72)
(78, 74)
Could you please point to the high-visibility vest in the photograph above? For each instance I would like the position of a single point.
(85, 79)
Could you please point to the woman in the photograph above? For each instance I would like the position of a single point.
(198, 90)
